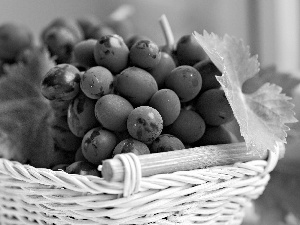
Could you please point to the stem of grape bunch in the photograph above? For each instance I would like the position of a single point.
(168, 34)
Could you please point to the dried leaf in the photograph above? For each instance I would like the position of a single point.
(25, 114)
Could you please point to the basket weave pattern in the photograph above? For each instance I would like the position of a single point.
(216, 195)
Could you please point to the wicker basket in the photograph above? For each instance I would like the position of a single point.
(215, 195)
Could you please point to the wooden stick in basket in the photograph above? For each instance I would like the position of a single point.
(183, 160)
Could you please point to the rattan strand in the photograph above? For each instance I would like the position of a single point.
(215, 195)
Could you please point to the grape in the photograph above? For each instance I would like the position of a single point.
(111, 94)
(167, 103)
(84, 53)
(83, 168)
(81, 115)
(98, 144)
(166, 143)
(112, 53)
(136, 85)
(112, 112)
(60, 107)
(62, 82)
(79, 155)
(189, 51)
(60, 42)
(168, 50)
(144, 54)
(63, 138)
(60, 37)
(96, 82)
(145, 124)
(87, 22)
(135, 38)
(188, 127)
(208, 72)
(66, 23)
(214, 107)
(215, 135)
(122, 135)
(60, 122)
(163, 69)
(131, 145)
(98, 31)
(186, 81)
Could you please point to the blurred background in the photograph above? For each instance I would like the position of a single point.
(270, 27)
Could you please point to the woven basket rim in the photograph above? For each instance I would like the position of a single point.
(94, 184)
(220, 191)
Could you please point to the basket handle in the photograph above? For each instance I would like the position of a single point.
(182, 160)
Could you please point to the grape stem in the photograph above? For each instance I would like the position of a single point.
(168, 34)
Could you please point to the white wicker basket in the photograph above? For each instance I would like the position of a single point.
(215, 195)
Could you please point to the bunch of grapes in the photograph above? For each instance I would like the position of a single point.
(112, 95)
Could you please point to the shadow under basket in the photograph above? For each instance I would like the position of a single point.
(212, 195)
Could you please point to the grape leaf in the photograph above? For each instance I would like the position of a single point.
(261, 115)
(25, 134)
